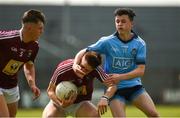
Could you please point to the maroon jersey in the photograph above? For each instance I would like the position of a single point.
(13, 54)
(64, 72)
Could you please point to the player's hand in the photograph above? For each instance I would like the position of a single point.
(68, 102)
(36, 91)
(78, 71)
(112, 79)
(57, 102)
(102, 106)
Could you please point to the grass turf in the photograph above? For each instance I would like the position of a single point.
(165, 111)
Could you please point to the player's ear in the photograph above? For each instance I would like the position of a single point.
(27, 26)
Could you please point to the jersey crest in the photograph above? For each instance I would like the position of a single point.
(12, 67)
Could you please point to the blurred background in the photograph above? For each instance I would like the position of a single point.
(74, 24)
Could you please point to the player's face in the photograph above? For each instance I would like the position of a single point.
(123, 24)
(85, 67)
(36, 29)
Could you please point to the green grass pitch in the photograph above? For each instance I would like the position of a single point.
(165, 111)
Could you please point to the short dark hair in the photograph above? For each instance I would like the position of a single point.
(33, 16)
(93, 59)
(125, 11)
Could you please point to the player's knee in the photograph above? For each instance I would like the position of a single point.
(94, 114)
(153, 114)
(87, 109)
(47, 115)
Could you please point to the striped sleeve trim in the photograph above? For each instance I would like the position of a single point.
(102, 74)
(60, 70)
(9, 34)
(8, 37)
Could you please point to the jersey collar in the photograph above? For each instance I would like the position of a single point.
(135, 36)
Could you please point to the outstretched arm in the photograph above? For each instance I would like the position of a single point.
(115, 78)
(104, 100)
(29, 71)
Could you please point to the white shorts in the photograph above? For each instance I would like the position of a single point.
(70, 110)
(10, 95)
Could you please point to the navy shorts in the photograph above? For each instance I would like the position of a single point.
(128, 94)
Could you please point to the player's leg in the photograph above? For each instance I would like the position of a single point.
(3, 106)
(52, 110)
(13, 108)
(12, 97)
(87, 109)
(145, 104)
(118, 104)
(117, 107)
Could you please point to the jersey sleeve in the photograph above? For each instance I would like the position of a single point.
(55, 76)
(98, 47)
(62, 68)
(141, 55)
(100, 74)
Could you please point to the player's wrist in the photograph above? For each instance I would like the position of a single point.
(31, 82)
(105, 97)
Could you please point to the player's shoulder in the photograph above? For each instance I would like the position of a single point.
(63, 67)
(101, 73)
(9, 34)
(108, 37)
(140, 40)
(66, 63)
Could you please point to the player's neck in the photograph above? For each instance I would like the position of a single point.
(126, 36)
(25, 36)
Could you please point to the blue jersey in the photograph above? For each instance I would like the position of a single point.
(120, 56)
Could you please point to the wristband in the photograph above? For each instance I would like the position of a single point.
(105, 97)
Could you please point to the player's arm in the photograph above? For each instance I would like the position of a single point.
(115, 78)
(51, 93)
(29, 71)
(110, 91)
(77, 59)
(104, 100)
(102, 76)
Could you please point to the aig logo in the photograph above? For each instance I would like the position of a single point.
(122, 63)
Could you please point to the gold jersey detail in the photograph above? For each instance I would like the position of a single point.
(82, 90)
(12, 67)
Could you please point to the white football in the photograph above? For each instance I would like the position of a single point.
(64, 90)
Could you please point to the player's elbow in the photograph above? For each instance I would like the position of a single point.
(141, 73)
(141, 70)
(49, 93)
